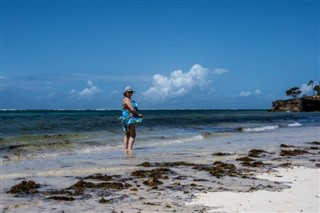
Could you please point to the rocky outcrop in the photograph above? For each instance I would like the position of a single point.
(304, 104)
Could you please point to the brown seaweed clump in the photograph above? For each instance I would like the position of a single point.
(286, 146)
(99, 177)
(160, 173)
(285, 165)
(61, 198)
(222, 154)
(82, 185)
(25, 187)
(294, 152)
(246, 161)
(219, 169)
(317, 143)
(167, 164)
(253, 164)
(256, 153)
(153, 175)
(152, 181)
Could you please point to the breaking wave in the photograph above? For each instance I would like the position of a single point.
(295, 124)
(259, 129)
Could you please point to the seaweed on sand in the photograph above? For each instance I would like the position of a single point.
(166, 164)
(286, 146)
(82, 185)
(99, 177)
(246, 161)
(152, 181)
(256, 153)
(160, 173)
(317, 143)
(25, 187)
(61, 198)
(219, 169)
(294, 152)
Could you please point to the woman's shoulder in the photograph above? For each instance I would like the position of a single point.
(126, 99)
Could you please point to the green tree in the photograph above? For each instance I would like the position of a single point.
(294, 92)
(316, 88)
(311, 83)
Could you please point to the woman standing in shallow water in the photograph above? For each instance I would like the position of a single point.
(129, 118)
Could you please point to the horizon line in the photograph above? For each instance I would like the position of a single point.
(140, 109)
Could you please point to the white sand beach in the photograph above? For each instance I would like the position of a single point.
(302, 196)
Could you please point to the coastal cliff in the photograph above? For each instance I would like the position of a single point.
(304, 104)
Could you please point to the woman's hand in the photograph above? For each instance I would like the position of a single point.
(140, 115)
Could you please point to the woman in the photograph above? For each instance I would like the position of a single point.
(129, 118)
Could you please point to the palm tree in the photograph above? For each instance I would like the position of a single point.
(294, 92)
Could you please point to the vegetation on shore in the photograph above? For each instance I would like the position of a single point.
(296, 91)
(302, 99)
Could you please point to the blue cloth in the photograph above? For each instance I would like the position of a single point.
(128, 118)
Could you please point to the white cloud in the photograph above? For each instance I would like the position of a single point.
(73, 92)
(90, 91)
(257, 92)
(177, 84)
(306, 88)
(220, 71)
(115, 92)
(245, 93)
(249, 93)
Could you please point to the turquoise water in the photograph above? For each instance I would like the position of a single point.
(36, 133)
(35, 122)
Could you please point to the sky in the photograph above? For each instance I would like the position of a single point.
(174, 54)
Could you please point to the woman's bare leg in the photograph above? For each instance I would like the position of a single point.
(132, 137)
(126, 140)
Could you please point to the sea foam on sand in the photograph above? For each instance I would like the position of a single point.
(302, 196)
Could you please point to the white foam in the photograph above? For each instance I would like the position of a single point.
(166, 142)
(295, 124)
(183, 140)
(260, 129)
(56, 154)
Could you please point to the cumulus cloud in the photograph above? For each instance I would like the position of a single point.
(220, 71)
(90, 91)
(250, 93)
(177, 84)
(245, 93)
(306, 88)
(257, 92)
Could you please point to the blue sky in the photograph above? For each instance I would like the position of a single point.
(174, 54)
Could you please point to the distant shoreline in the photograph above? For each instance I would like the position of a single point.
(303, 104)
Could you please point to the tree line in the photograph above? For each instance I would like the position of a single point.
(296, 91)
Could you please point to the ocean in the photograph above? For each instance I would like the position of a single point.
(29, 134)
(56, 146)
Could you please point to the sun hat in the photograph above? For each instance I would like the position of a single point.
(127, 89)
